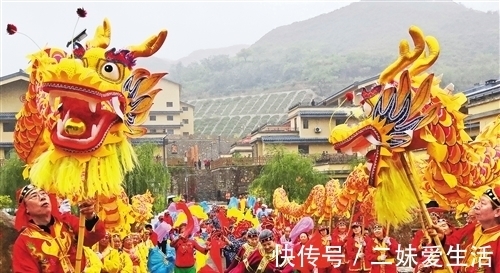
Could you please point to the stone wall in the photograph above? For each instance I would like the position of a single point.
(208, 147)
(8, 236)
(212, 185)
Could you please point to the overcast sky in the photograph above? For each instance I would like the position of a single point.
(191, 26)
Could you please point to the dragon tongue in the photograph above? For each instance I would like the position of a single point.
(370, 156)
(115, 102)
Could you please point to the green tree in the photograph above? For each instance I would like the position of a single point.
(290, 170)
(11, 176)
(5, 202)
(150, 174)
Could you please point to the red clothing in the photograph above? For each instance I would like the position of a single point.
(339, 242)
(423, 258)
(154, 238)
(168, 219)
(243, 253)
(300, 262)
(415, 243)
(184, 252)
(35, 250)
(268, 262)
(379, 247)
(472, 235)
(352, 248)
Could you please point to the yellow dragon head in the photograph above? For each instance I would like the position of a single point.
(406, 110)
(396, 109)
(96, 91)
(89, 102)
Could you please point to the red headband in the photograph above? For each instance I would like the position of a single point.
(22, 216)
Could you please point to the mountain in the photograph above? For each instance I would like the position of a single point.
(330, 51)
(160, 64)
(201, 54)
(378, 26)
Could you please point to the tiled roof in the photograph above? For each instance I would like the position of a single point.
(13, 75)
(292, 139)
(155, 140)
(8, 115)
(6, 145)
(485, 91)
(323, 114)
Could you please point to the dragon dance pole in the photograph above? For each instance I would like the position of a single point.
(81, 228)
(423, 209)
(353, 209)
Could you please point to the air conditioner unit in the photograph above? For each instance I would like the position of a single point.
(317, 130)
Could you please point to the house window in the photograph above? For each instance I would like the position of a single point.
(305, 124)
(339, 121)
(184, 108)
(170, 117)
(185, 121)
(152, 118)
(170, 104)
(8, 153)
(185, 133)
(303, 149)
(170, 131)
(8, 127)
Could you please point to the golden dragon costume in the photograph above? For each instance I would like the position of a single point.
(319, 202)
(79, 111)
(408, 110)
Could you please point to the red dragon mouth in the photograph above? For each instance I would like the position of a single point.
(360, 141)
(85, 115)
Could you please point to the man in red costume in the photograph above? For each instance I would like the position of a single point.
(428, 262)
(384, 251)
(269, 258)
(339, 237)
(248, 248)
(48, 240)
(184, 252)
(481, 241)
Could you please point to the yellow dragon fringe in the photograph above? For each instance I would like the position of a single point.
(408, 110)
(330, 200)
(79, 111)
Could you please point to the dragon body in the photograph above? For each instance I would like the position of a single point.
(408, 110)
(320, 202)
(79, 111)
(331, 199)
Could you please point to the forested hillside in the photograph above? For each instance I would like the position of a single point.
(329, 52)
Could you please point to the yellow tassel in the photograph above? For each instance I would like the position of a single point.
(394, 198)
(104, 174)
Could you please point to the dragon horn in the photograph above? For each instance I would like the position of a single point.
(424, 61)
(102, 36)
(150, 46)
(406, 57)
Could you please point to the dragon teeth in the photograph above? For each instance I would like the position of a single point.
(92, 106)
(116, 106)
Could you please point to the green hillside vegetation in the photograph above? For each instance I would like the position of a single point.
(329, 52)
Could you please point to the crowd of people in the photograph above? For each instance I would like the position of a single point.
(48, 242)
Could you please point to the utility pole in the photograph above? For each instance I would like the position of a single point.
(218, 138)
(186, 177)
(165, 143)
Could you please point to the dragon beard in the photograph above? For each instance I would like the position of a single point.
(85, 176)
(398, 209)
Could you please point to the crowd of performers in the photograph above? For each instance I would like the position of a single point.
(48, 242)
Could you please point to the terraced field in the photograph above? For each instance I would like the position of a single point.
(238, 116)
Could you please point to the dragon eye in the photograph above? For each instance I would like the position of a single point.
(110, 71)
